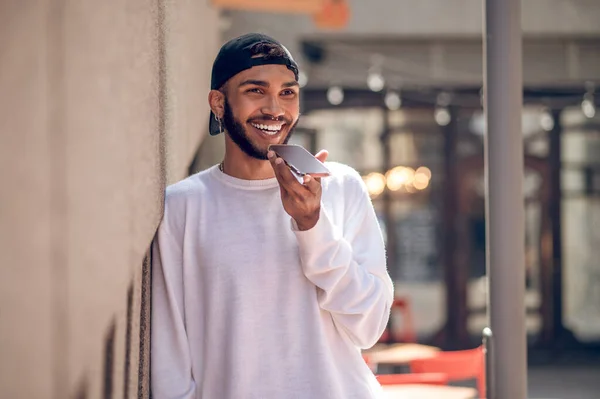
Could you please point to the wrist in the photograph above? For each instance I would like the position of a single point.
(308, 222)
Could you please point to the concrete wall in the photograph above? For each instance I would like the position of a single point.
(101, 104)
(191, 44)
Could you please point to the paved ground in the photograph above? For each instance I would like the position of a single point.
(570, 376)
(564, 382)
(556, 382)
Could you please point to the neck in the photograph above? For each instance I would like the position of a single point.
(238, 164)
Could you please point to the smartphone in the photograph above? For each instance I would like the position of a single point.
(299, 160)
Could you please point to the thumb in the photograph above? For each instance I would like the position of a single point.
(322, 155)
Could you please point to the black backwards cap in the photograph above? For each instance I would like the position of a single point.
(243, 53)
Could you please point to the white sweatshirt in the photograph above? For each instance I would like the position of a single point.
(244, 306)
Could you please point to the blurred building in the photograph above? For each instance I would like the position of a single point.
(104, 103)
(397, 94)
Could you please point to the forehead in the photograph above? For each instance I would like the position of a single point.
(275, 75)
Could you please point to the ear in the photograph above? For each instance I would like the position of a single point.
(216, 101)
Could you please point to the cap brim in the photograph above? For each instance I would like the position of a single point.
(214, 127)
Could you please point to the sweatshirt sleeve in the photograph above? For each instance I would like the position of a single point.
(348, 265)
(171, 367)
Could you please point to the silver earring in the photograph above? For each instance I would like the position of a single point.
(220, 123)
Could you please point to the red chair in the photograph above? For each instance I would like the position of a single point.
(457, 365)
(414, 378)
(372, 366)
(407, 333)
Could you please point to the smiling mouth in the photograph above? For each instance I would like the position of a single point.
(270, 130)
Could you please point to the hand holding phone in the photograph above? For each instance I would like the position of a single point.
(301, 201)
(300, 161)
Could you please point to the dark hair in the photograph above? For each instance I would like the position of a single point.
(267, 50)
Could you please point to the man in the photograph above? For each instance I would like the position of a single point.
(265, 287)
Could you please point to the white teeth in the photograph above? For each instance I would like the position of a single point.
(268, 128)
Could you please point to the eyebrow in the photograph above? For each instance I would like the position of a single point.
(263, 83)
(293, 83)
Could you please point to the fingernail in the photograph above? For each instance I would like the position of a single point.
(270, 154)
(307, 178)
(278, 161)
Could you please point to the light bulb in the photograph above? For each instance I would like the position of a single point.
(421, 182)
(422, 178)
(375, 183)
(442, 116)
(302, 79)
(393, 101)
(588, 107)
(375, 81)
(399, 177)
(335, 95)
(546, 121)
(423, 171)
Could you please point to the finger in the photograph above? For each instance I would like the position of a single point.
(271, 156)
(322, 155)
(277, 164)
(312, 184)
(284, 174)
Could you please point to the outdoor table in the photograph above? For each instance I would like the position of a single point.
(419, 391)
(399, 354)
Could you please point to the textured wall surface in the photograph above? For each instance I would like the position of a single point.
(101, 104)
(26, 294)
(191, 40)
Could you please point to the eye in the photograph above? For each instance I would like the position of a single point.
(288, 93)
(254, 90)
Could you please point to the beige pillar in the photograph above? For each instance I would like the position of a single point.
(101, 103)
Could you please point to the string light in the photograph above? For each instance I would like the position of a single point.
(441, 114)
(588, 106)
(393, 101)
(375, 81)
(375, 183)
(423, 171)
(546, 120)
(420, 182)
(302, 79)
(398, 178)
(335, 95)
(422, 178)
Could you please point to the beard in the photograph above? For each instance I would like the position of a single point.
(239, 135)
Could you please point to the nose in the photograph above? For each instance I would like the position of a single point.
(272, 108)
